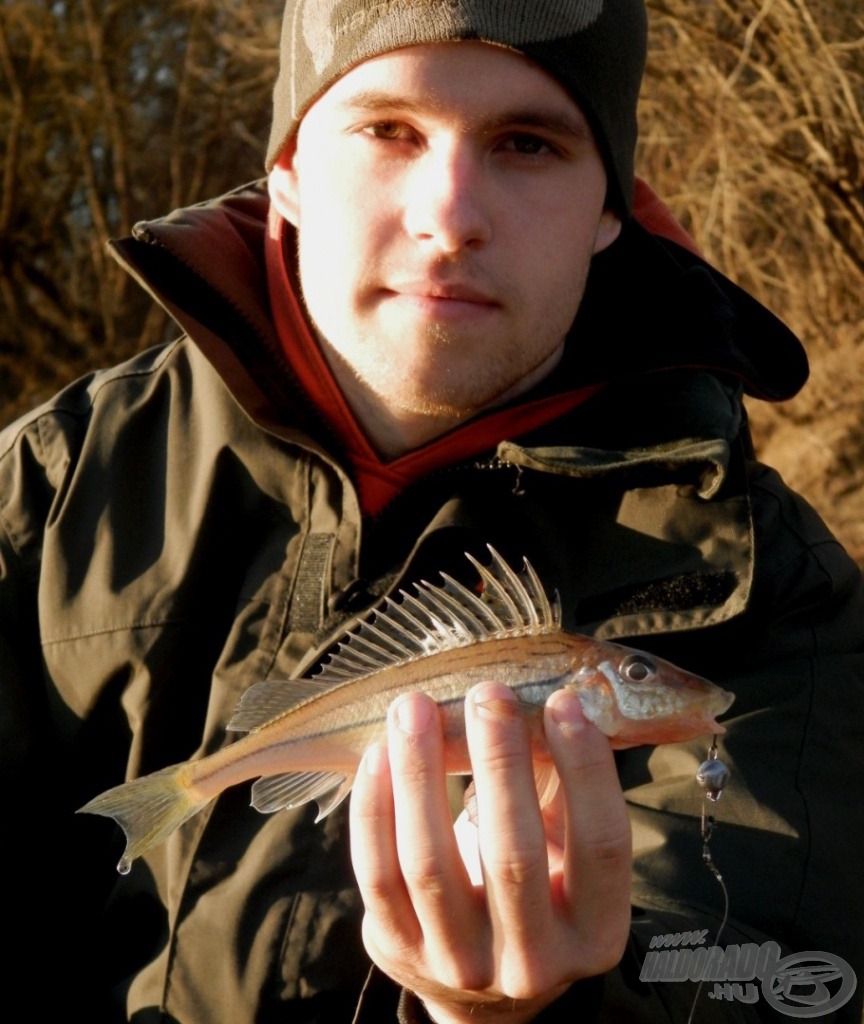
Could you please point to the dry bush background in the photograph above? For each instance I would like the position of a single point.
(752, 131)
(116, 110)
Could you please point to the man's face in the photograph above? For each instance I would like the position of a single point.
(448, 199)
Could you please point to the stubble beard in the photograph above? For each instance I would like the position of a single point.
(364, 359)
(462, 389)
(440, 394)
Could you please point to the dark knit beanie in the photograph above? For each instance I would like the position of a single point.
(594, 48)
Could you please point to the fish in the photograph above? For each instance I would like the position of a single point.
(306, 736)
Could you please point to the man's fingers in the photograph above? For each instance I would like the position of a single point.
(426, 925)
(597, 860)
(450, 915)
(375, 858)
(511, 833)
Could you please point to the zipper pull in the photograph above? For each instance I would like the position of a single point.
(496, 463)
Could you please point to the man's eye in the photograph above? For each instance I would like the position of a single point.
(388, 130)
(528, 145)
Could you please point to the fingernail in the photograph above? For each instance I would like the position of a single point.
(413, 713)
(565, 710)
(375, 760)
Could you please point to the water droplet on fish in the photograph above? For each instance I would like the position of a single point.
(125, 866)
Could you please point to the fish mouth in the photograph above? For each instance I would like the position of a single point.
(699, 720)
(723, 700)
(719, 704)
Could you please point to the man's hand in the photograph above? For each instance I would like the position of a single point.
(555, 906)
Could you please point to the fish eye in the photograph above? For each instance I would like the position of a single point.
(636, 668)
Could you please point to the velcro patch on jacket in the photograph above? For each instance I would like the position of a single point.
(678, 593)
(310, 587)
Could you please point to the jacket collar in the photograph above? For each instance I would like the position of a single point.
(650, 306)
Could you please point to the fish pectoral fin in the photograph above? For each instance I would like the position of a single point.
(293, 789)
(331, 801)
(469, 801)
(546, 780)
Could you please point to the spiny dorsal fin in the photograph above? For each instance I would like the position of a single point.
(430, 620)
(440, 618)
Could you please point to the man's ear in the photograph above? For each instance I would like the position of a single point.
(608, 230)
(282, 184)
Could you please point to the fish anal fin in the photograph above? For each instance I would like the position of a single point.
(330, 801)
(292, 789)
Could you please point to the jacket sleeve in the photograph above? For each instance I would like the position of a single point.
(54, 919)
(28, 764)
(24, 745)
(26, 748)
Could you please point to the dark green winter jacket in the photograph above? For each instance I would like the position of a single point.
(179, 527)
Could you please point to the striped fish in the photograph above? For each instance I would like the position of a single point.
(305, 737)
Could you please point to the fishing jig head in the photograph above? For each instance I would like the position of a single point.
(713, 775)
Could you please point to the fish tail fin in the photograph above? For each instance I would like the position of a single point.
(148, 810)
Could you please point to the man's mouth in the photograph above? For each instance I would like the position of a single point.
(453, 299)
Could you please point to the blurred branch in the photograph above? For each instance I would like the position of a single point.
(112, 111)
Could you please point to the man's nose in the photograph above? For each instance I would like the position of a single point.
(447, 200)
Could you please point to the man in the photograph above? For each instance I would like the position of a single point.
(444, 330)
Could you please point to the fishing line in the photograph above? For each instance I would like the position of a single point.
(712, 775)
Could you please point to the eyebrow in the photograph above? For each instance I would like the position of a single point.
(558, 122)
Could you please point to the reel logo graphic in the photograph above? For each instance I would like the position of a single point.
(809, 984)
